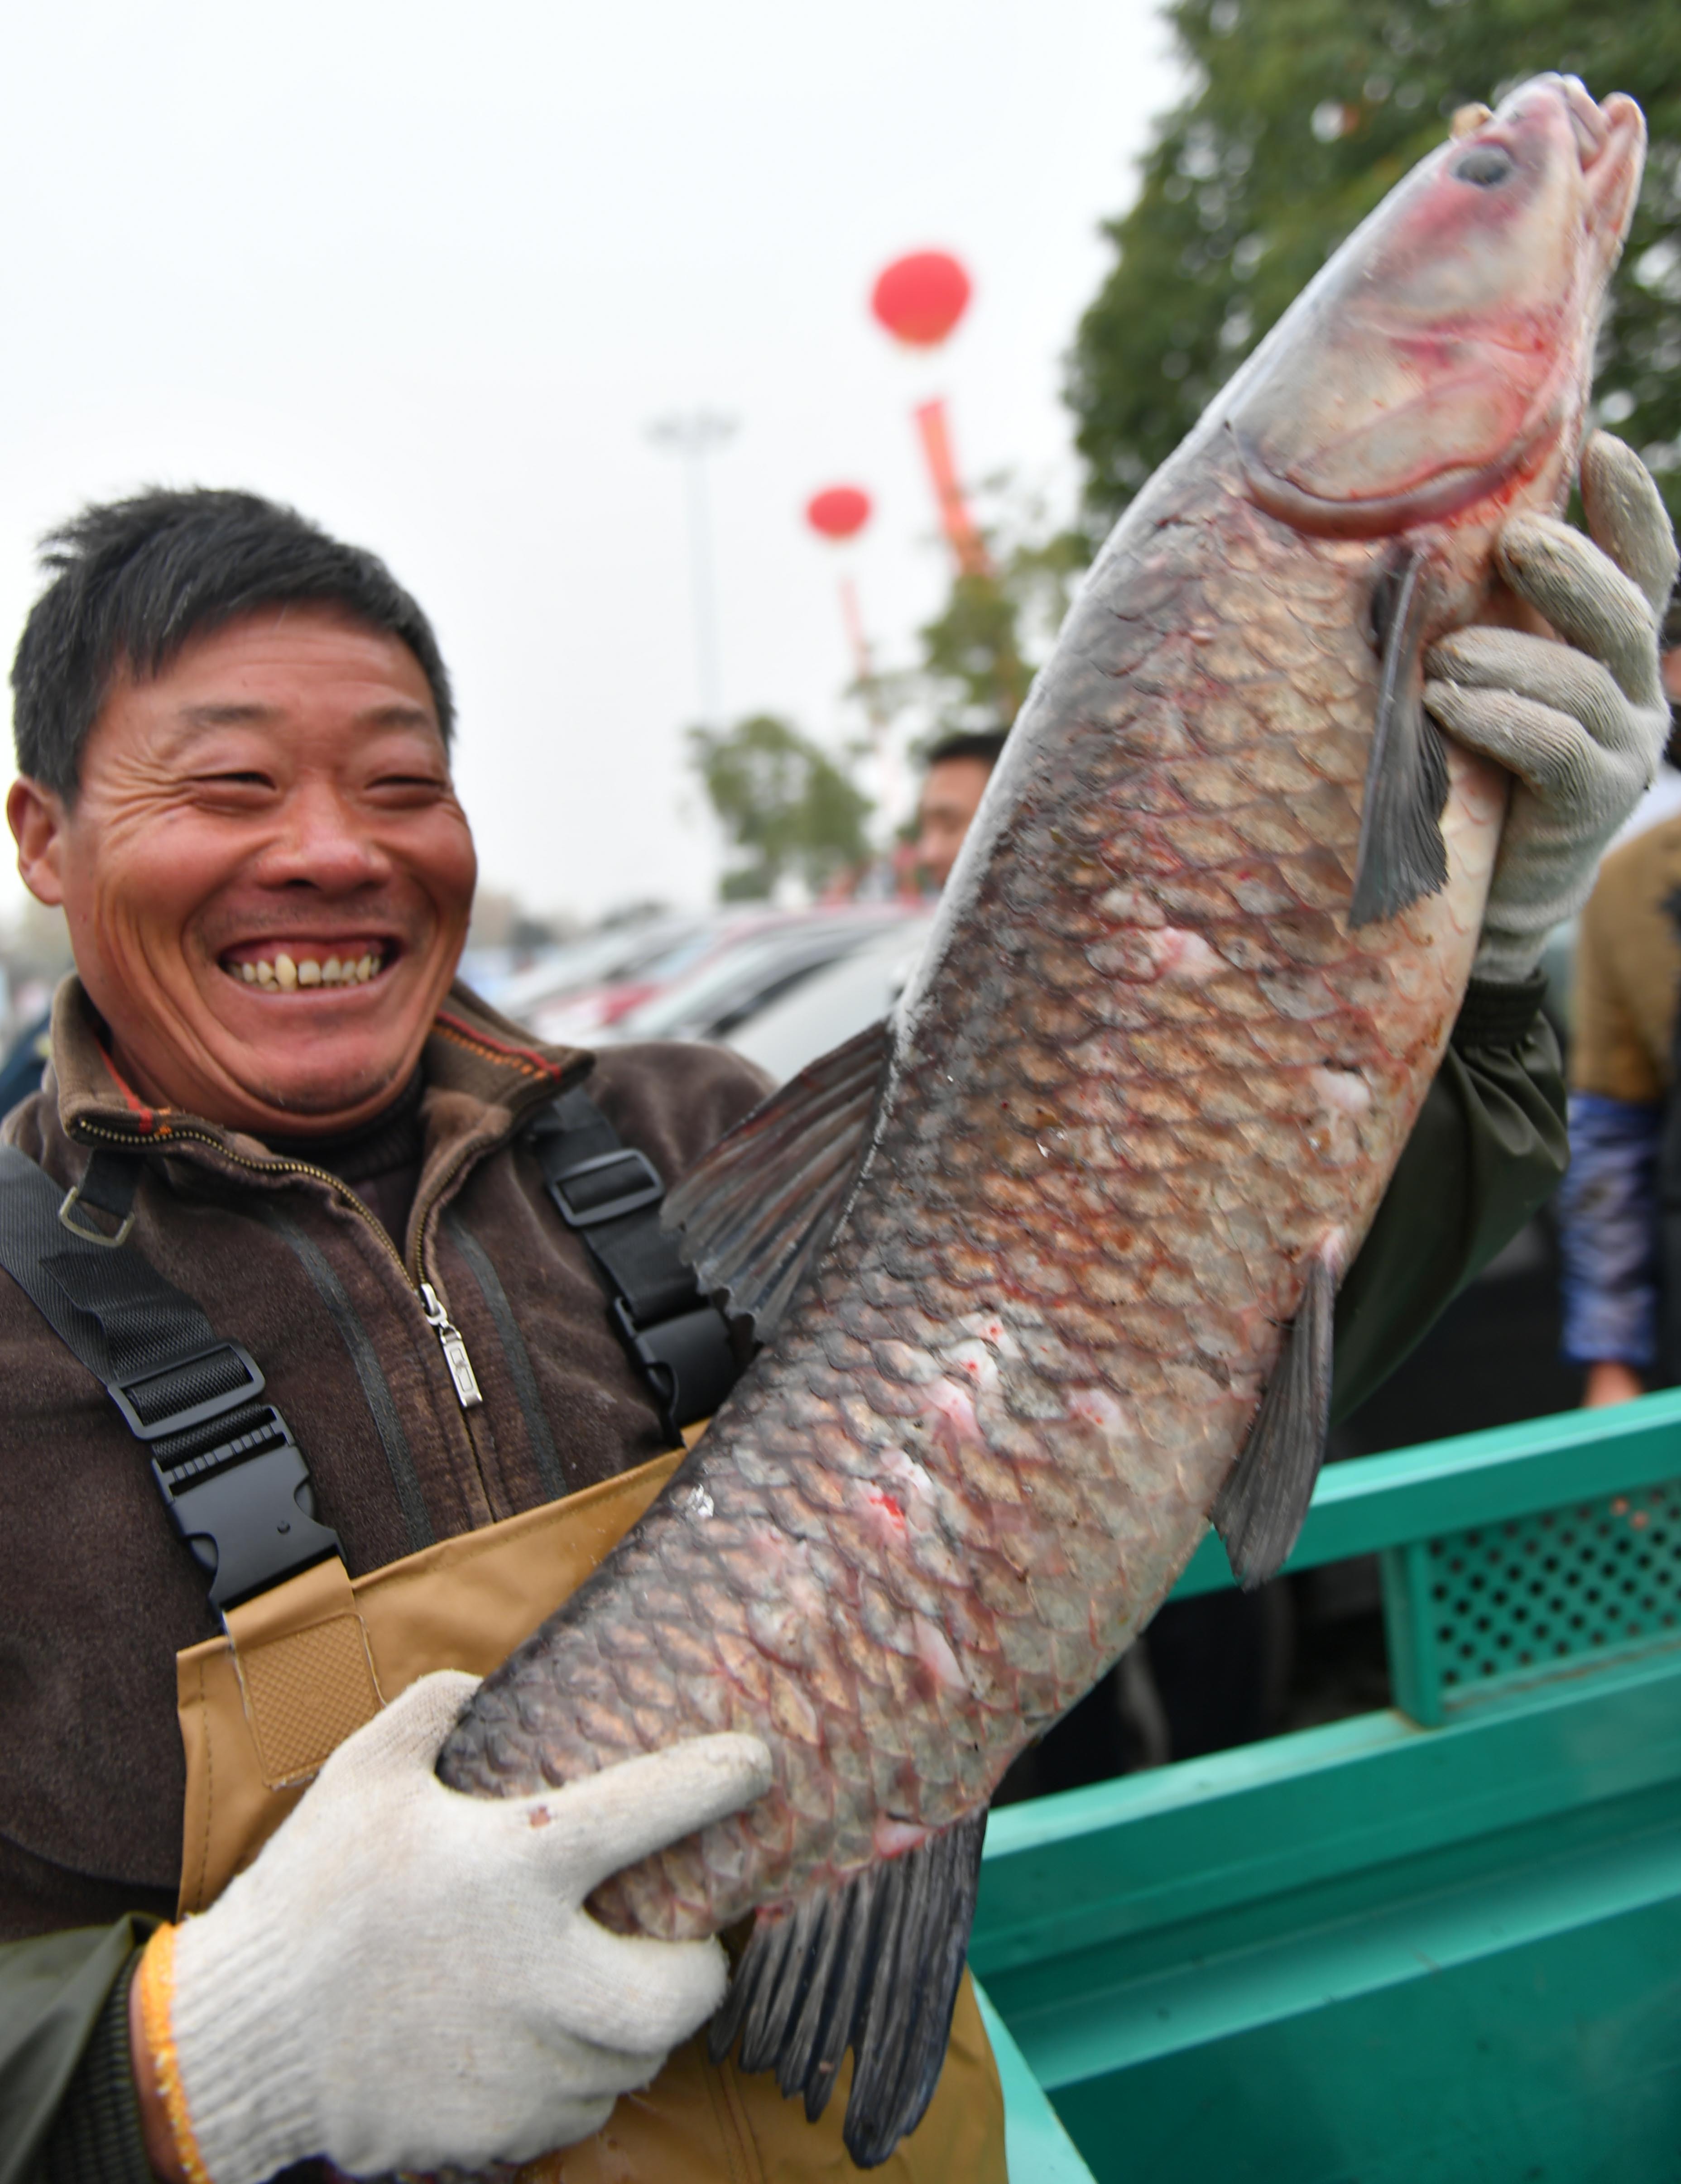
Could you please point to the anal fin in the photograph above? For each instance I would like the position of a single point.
(754, 1214)
(1260, 1510)
(1402, 855)
(875, 1966)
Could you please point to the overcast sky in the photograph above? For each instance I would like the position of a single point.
(428, 271)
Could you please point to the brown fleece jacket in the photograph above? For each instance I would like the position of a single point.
(96, 1593)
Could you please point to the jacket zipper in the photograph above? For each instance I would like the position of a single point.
(455, 1350)
(462, 1377)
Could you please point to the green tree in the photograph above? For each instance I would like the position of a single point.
(785, 805)
(1303, 113)
(971, 654)
(979, 652)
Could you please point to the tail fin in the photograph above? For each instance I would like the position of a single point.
(875, 1966)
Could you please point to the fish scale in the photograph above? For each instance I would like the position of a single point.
(1133, 1116)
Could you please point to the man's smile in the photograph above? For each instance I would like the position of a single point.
(295, 964)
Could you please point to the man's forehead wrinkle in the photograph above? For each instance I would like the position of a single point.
(398, 713)
(232, 714)
(250, 713)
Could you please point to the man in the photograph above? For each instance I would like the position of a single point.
(1620, 1208)
(958, 769)
(233, 737)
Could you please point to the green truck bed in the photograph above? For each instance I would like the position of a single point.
(1441, 1941)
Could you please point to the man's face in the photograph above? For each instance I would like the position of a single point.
(951, 795)
(266, 874)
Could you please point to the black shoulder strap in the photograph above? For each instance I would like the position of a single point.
(611, 1193)
(235, 1481)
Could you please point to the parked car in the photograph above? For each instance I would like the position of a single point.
(835, 1004)
(601, 962)
(579, 1018)
(752, 967)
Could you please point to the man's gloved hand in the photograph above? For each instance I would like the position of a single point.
(1580, 723)
(405, 1978)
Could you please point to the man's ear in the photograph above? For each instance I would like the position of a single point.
(37, 820)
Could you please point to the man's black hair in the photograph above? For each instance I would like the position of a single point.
(133, 580)
(987, 744)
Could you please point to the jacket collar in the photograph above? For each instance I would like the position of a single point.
(480, 1071)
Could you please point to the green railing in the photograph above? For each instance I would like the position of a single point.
(1441, 1941)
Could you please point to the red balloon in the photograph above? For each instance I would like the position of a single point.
(838, 511)
(921, 297)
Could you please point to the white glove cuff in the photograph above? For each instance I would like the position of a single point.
(234, 2080)
(1507, 959)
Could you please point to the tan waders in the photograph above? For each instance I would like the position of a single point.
(311, 1660)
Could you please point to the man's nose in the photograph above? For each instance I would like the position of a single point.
(323, 842)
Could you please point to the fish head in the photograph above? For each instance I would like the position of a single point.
(1437, 371)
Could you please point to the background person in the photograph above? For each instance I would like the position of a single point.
(25, 1062)
(1620, 1207)
(956, 773)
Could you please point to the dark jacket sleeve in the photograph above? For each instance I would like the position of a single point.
(1489, 1146)
(67, 2110)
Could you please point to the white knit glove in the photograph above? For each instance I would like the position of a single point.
(1580, 723)
(404, 1979)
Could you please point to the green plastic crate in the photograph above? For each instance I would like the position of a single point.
(1505, 1607)
(1442, 1942)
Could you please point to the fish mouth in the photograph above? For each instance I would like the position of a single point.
(1610, 140)
(1589, 126)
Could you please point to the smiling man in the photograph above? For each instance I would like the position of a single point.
(339, 1340)
(265, 868)
(319, 1241)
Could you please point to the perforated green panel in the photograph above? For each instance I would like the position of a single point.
(1538, 1593)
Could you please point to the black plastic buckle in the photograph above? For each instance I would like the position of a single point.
(245, 1509)
(190, 1414)
(688, 1361)
(593, 1208)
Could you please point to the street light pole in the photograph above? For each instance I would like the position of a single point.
(692, 435)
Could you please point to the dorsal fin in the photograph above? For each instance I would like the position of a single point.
(754, 1214)
(1402, 855)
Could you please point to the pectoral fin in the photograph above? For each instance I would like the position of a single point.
(753, 1216)
(1261, 1507)
(1402, 855)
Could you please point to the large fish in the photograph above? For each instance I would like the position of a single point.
(1046, 1270)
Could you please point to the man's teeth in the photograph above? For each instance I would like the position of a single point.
(286, 973)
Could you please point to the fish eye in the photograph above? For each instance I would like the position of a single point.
(1485, 165)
